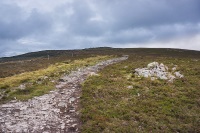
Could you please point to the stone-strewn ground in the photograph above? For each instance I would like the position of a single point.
(56, 112)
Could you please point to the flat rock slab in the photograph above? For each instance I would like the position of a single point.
(56, 112)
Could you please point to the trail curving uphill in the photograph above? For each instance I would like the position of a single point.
(56, 112)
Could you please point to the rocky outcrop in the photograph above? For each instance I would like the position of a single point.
(155, 70)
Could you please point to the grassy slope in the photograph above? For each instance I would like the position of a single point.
(108, 105)
(150, 106)
(40, 82)
(37, 60)
(10, 66)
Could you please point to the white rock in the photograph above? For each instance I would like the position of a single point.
(63, 126)
(174, 69)
(72, 99)
(156, 70)
(177, 74)
(23, 108)
(61, 104)
(130, 87)
(153, 64)
(22, 86)
(93, 74)
(71, 111)
(7, 106)
(45, 77)
(166, 67)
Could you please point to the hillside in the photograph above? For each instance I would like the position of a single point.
(115, 99)
(38, 60)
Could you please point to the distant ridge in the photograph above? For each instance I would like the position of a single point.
(100, 50)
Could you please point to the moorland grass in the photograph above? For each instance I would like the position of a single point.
(41, 81)
(109, 105)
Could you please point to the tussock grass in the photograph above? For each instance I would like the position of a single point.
(108, 105)
(41, 81)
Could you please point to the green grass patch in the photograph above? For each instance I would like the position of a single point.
(30, 92)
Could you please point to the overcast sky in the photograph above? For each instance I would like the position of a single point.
(33, 25)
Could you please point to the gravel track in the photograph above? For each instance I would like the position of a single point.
(56, 112)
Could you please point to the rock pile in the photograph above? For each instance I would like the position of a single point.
(155, 70)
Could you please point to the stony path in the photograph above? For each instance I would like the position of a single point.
(56, 112)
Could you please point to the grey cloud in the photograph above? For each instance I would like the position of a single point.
(155, 33)
(153, 12)
(7, 48)
(127, 15)
(91, 23)
(15, 24)
(79, 22)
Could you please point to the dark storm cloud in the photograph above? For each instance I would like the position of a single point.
(91, 23)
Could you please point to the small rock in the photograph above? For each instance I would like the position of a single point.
(7, 106)
(71, 111)
(73, 128)
(62, 104)
(72, 99)
(74, 125)
(45, 77)
(93, 74)
(174, 69)
(53, 81)
(63, 126)
(177, 74)
(67, 116)
(23, 108)
(153, 64)
(130, 87)
(16, 115)
(22, 86)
